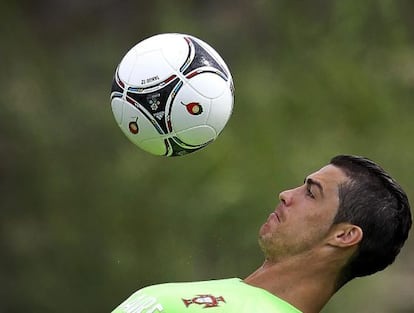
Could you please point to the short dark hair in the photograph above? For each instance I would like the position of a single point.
(374, 201)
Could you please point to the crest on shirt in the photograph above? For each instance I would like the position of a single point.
(208, 301)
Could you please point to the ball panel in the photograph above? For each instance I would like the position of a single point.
(215, 55)
(189, 109)
(144, 69)
(117, 105)
(198, 135)
(220, 111)
(127, 65)
(175, 50)
(209, 85)
(202, 58)
(136, 125)
(155, 103)
(155, 146)
(177, 147)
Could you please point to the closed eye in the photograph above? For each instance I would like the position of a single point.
(310, 183)
(309, 192)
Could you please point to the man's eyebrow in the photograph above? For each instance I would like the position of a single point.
(312, 182)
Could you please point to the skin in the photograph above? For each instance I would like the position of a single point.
(304, 252)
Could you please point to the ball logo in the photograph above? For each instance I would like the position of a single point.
(133, 127)
(208, 301)
(194, 108)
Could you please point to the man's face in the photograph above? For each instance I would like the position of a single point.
(304, 216)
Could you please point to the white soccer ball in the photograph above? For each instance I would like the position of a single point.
(172, 94)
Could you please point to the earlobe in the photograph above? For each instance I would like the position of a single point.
(346, 235)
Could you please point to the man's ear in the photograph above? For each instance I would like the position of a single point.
(345, 235)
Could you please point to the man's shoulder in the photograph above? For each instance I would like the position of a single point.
(224, 295)
(195, 285)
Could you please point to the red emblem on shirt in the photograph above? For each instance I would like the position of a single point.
(208, 301)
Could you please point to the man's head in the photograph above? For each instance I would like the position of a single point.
(304, 216)
(375, 202)
(351, 205)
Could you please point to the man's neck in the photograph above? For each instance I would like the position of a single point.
(299, 280)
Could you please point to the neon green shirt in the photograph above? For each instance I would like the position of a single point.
(218, 296)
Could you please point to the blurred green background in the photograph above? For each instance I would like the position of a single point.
(87, 218)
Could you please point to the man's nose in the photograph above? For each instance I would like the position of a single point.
(286, 197)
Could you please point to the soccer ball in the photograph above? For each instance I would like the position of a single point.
(172, 94)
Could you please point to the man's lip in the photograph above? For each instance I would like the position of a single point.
(279, 213)
(275, 215)
(278, 217)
